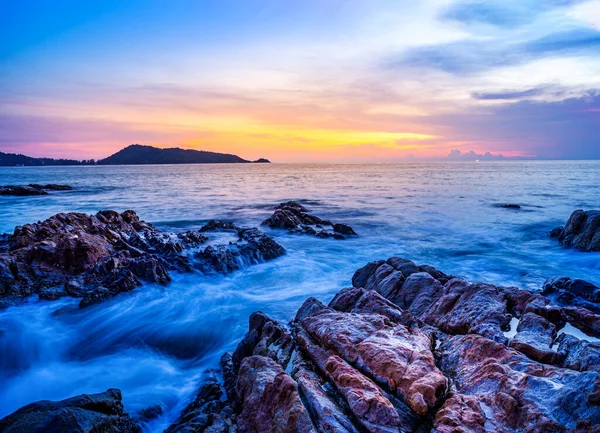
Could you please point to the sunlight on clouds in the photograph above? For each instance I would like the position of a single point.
(588, 12)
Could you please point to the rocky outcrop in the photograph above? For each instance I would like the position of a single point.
(252, 246)
(32, 189)
(582, 231)
(412, 349)
(95, 257)
(573, 292)
(82, 414)
(294, 217)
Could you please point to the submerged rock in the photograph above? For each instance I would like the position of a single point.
(507, 206)
(412, 349)
(93, 413)
(582, 231)
(32, 189)
(95, 257)
(294, 217)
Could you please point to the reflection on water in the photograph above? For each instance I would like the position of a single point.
(156, 342)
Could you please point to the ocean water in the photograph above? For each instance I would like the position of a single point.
(156, 343)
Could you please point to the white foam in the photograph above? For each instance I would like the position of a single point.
(514, 323)
(571, 330)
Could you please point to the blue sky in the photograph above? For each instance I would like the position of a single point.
(326, 80)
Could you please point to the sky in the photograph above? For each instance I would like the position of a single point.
(302, 81)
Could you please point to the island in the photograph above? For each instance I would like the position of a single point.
(135, 154)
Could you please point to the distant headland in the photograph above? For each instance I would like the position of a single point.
(135, 154)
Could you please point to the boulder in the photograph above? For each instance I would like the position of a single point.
(582, 231)
(294, 217)
(82, 414)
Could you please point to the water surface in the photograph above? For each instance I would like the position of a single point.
(156, 342)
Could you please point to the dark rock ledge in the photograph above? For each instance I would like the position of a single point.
(294, 217)
(410, 349)
(582, 231)
(97, 413)
(95, 257)
(32, 189)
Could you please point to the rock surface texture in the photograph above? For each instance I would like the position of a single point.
(294, 217)
(97, 413)
(582, 231)
(95, 257)
(411, 349)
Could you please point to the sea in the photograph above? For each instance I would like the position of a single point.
(156, 343)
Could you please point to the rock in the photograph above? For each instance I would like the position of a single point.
(205, 411)
(534, 338)
(513, 391)
(269, 399)
(582, 231)
(507, 205)
(412, 349)
(294, 217)
(21, 191)
(573, 292)
(96, 257)
(343, 229)
(51, 187)
(85, 413)
(253, 246)
(32, 189)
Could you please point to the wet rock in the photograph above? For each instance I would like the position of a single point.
(573, 292)
(96, 257)
(411, 349)
(343, 229)
(582, 231)
(514, 392)
(207, 412)
(21, 191)
(294, 217)
(252, 246)
(32, 189)
(270, 399)
(580, 355)
(85, 413)
(507, 206)
(267, 338)
(51, 187)
(534, 338)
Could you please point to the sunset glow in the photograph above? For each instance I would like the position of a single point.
(318, 81)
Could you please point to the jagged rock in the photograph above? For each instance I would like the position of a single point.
(411, 349)
(206, 413)
(82, 414)
(269, 399)
(252, 246)
(267, 338)
(96, 257)
(514, 392)
(573, 292)
(582, 231)
(535, 336)
(294, 217)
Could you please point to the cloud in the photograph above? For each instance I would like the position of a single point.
(500, 13)
(511, 95)
(457, 155)
(472, 56)
(561, 129)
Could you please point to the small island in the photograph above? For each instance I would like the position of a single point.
(135, 154)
